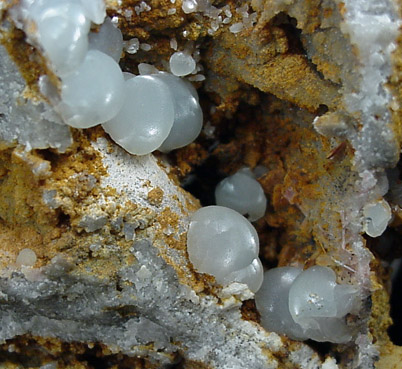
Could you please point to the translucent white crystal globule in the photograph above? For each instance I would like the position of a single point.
(188, 114)
(345, 299)
(312, 295)
(243, 193)
(332, 330)
(109, 40)
(93, 93)
(146, 117)
(251, 275)
(95, 10)
(223, 243)
(181, 64)
(189, 6)
(272, 301)
(377, 216)
(318, 304)
(306, 304)
(61, 30)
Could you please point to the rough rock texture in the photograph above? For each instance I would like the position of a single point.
(310, 90)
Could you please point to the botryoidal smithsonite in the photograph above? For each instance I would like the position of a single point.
(306, 304)
(104, 254)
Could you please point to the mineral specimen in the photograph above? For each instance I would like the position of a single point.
(95, 269)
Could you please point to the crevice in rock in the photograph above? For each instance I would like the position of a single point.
(294, 36)
(63, 220)
(321, 348)
(289, 26)
(395, 331)
(202, 181)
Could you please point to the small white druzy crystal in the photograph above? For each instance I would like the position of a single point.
(26, 257)
(181, 64)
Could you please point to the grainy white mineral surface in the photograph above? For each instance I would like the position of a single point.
(123, 279)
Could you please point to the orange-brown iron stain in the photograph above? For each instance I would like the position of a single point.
(67, 355)
(173, 239)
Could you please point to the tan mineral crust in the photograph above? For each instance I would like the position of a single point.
(293, 91)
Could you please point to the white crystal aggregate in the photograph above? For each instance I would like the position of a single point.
(61, 30)
(220, 17)
(142, 126)
(138, 114)
(34, 125)
(373, 28)
(368, 74)
(306, 304)
(146, 118)
(243, 193)
(223, 243)
(169, 315)
(94, 93)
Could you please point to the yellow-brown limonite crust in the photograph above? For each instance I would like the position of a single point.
(306, 179)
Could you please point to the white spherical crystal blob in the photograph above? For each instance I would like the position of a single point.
(312, 296)
(306, 304)
(224, 244)
(94, 93)
(188, 114)
(26, 257)
(377, 216)
(318, 304)
(272, 301)
(109, 40)
(62, 30)
(189, 6)
(146, 117)
(181, 64)
(243, 193)
(95, 10)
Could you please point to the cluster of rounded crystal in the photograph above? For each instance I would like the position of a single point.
(303, 305)
(141, 113)
(221, 241)
(221, 16)
(306, 304)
